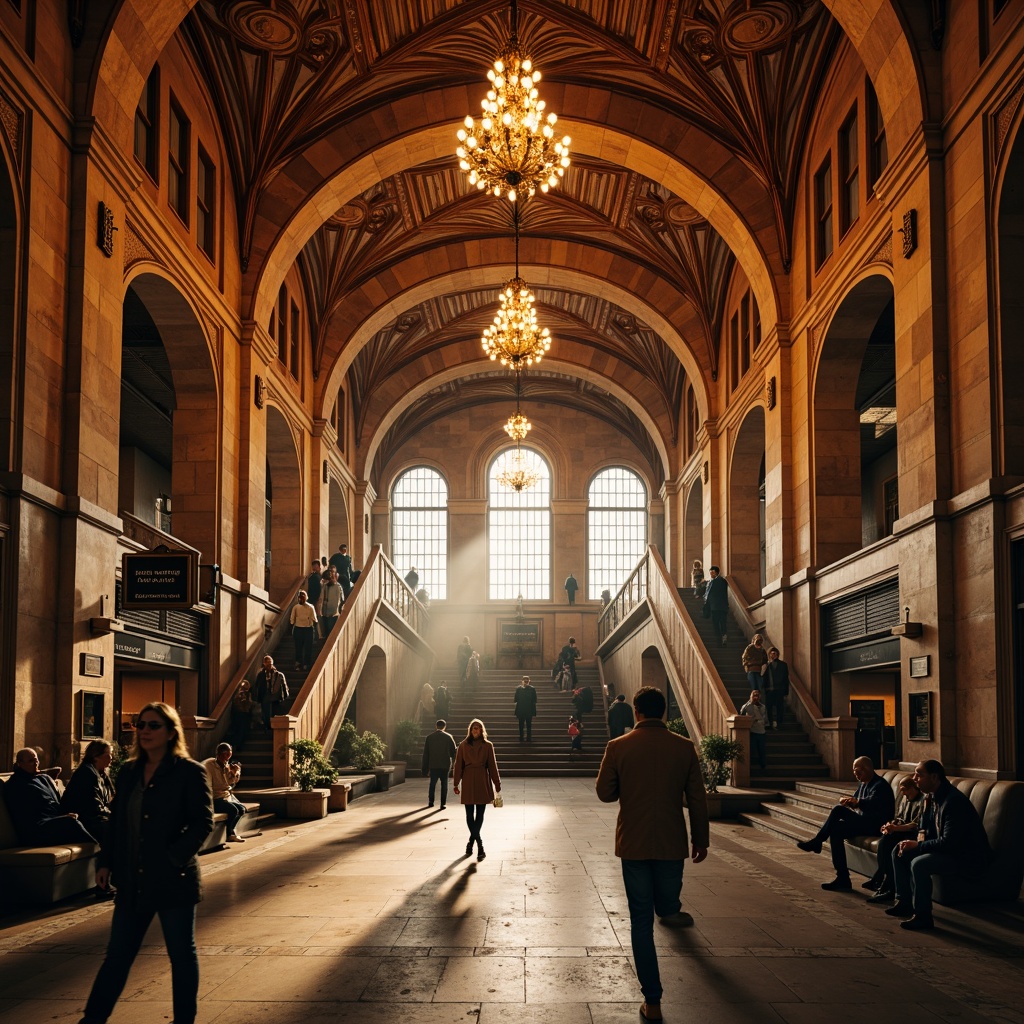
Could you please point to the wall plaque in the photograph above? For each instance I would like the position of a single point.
(920, 715)
(166, 579)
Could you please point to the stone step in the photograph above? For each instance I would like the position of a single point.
(787, 832)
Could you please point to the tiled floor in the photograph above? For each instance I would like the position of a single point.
(375, 915)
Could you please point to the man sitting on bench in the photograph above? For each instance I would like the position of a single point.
(952, 840)
(35, 809)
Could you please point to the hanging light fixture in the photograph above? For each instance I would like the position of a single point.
(516, 472)
(517, 426)
(514, 337)
(513, 150)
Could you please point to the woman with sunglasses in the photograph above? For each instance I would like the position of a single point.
(161, 815)
(476, 774)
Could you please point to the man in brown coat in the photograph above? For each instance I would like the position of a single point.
(649, 771)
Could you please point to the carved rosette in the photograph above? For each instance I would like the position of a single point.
(283, 30)
(12, 120)
(883, 254)
(742, 30)
(135, 249)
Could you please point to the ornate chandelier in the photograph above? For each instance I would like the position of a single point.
(516, 472)
(513, 150)
(514, 337)
(517, 426)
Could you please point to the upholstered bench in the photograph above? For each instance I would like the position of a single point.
(1001, 807)
(32, 875)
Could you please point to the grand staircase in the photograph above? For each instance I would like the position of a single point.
(548, 754)
(791, 754)
(801, 812)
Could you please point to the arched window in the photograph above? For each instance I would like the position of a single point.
(519, 534)
(616, 529)
(419, 528)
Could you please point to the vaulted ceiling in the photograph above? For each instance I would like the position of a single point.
(304, 88)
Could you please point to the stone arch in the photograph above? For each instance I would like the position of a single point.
(10, 307)
(746, 522)
(836, 421)
(693, 529)
(195, 426)
(283, 528)
(371, 696)
(1009, 304)
(337, 520)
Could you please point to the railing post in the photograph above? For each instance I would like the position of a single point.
(839, 734)
(739, 732)
(284, 733)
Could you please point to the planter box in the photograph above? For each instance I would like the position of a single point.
(384, 775)
(400, 768)
(362, 783)
(338, 800)
(306, 806)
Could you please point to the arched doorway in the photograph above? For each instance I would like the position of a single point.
(1011, 311)
(693, 530)
(283, 523)
(9, 278)
(746, 507)
(855, 471)
(653, 673)
(337, 521)
(168, 465)
(371, 696)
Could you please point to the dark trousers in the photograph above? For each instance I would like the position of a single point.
(127, 930)
(720, 620)
(776, 704)
(267, 707)
(528, 723)
(438, 775)
(327, 624)
(844, 823)
(652, 887)
(913, 874)
(759, 748)
(240, 724)
(886, 846)
(303, 636)
(233, 808)
(60, 831)
(475, 820)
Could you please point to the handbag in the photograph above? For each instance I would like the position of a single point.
(499, 800)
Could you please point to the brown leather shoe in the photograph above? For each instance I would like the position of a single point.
(651, 1011)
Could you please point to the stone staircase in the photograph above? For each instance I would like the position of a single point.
(791, 754)
(801, 812)
(548, 754)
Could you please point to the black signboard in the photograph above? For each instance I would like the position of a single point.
(920, 715)
(159, 579)
(126, 645)
(524, 636)
(866, 656)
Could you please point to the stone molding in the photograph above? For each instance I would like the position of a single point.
(883, 254)
(135, 249)
(1004, 118)
(13, 120)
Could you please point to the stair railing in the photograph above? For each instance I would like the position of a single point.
(204, 741)
(319, 706)
(706, 704)
(834, 736)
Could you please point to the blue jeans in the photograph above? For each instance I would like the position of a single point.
(913, 875)
(652, 887)
(438, 775)
(233, 808)
(127, 930)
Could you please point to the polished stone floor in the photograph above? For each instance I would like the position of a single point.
(374, 915)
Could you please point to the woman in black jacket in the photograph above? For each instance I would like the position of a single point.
(161, 815)
(90, 792)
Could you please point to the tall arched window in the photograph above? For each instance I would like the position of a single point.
(419, 528)
(616, 528)
(519, 534)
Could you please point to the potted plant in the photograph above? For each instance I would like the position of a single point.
(716, 757)
(678, 726)
(368, 751)
(310, 771)
(341, 756)
(407, 734)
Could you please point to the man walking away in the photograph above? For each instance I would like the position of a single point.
(620, 717)
(650, 771)
(438, 754)
(716, 597)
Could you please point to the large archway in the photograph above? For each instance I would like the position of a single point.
(371, 696)
(170, 453)
(1010, 361)
(693, 529)
(855, 472)
(746, 506)
(9, 278)
(337, 520)
(283, 522)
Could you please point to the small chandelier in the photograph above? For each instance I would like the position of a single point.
(517, 426)
(516, 472)
(514, 337)
(513, 150)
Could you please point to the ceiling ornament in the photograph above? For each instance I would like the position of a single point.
(282, 30)
(516, 471)
(513, 151)
(514, 337)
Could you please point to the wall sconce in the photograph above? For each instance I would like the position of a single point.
(105, 230)
(769, 393)
(706, 472)
(366, 522)
(259, 391)
(911, 630)
(909, 233)
(327, 472)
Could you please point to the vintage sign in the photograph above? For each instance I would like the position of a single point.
(164, 579)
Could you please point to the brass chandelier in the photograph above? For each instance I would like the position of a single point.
(514, 337)
(518, 426)
(516, 471)
(513, 150)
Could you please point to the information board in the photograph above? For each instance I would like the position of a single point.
(159, 579)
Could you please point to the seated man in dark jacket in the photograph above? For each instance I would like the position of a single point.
(955, 842)
(35, 807)
(862, 814)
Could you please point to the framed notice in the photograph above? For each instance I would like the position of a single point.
(159, 579)
(920, 715)
(919, 667)
(91, 705)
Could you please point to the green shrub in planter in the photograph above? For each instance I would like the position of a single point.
(407, 734)
(118, 759)
(716, 756)
(341, 756)
(368, 751)
(309, 766)
(678, 726)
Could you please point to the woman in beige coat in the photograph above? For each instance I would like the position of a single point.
(476, 777)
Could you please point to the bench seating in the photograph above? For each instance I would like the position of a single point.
(219, 836)
(1001, 807)
(31, 875)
